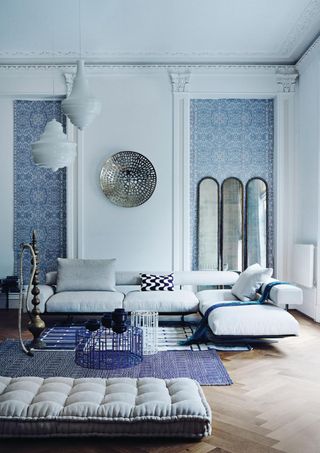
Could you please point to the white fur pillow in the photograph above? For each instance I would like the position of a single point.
(250, 281)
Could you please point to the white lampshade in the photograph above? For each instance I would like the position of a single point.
(81, 107)
(53, 149)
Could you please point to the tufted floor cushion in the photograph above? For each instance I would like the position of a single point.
(60, 406)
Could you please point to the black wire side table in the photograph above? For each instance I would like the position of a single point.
(105, 349)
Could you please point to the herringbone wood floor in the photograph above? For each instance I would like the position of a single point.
(273, 406)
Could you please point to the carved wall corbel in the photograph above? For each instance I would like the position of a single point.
(180, 81)
(69, 78)
(286, 80)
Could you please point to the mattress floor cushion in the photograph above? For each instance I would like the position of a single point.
(60, 406)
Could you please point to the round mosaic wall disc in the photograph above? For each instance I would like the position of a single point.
(128, 179)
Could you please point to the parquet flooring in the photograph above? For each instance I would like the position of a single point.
(273, 406)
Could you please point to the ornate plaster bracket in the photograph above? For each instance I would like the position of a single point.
(286, 80)
(180, 81)
(69, 78)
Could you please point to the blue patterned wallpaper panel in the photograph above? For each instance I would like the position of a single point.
(39, 194)
(230, 137)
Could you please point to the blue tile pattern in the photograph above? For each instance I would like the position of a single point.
(230, 137)
(39, 194)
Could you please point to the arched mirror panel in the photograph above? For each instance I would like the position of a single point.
(208, 224)
(232, 224)
(256, 222)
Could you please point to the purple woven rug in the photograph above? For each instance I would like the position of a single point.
(205, 367)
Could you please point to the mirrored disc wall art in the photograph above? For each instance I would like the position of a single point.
(128, 179)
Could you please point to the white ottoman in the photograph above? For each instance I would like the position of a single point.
(60, 407)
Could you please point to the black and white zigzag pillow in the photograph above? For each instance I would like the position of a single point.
(152, 282)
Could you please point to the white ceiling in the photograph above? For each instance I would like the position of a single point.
(157, 31)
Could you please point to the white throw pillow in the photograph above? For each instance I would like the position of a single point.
(250, 281)
(86, 275)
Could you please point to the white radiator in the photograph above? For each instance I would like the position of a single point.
(303, 265)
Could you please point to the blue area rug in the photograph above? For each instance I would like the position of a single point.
(205, 367)
(62, 337)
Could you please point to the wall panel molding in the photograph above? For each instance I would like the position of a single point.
(181, 109)
(284, 182)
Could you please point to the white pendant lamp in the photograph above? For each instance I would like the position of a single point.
(53, 149)
(81, 107)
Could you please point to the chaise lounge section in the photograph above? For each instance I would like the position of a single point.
(259, 321)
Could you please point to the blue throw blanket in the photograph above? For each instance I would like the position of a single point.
(199, 335)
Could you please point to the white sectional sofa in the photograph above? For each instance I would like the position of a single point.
(127, 294)
(267, 320)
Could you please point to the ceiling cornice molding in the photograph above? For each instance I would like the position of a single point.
(151, 57)
(178, 68)
(300, 27)
(309, 54)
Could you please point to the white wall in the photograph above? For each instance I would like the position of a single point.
(140, 114)
(136, 116)
(307, 177)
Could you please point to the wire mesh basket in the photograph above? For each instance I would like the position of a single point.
(105, 349)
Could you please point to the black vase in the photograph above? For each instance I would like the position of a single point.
(92, 325)
(106, 320)
(119, 318)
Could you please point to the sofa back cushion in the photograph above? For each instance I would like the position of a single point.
(131, 280)
(86, 275)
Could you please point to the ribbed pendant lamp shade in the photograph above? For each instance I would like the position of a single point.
(53, 149)
(81, 107)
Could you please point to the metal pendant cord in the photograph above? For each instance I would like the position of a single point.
(23, 301)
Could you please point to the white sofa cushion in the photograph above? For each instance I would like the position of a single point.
(84, 302)
(252, 320)
(86, 275)
(250, 281)
(178, 301)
